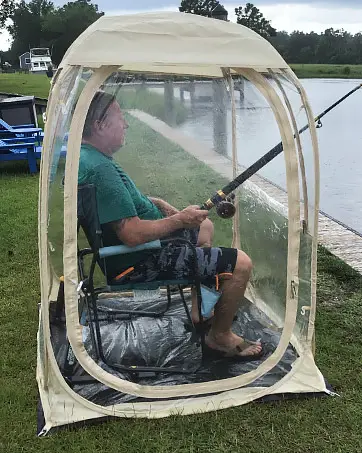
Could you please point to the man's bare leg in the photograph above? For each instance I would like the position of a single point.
(220, 336)
(206, 235)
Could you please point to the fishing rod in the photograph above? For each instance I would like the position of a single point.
(223, 199)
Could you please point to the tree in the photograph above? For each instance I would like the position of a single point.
(334, 46)
(26, 27)
(63, 25)
(281, 42)
(251, 17)
(6, 11)
(40, 24)
(199, 7)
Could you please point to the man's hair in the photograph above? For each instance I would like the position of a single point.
(97, 110)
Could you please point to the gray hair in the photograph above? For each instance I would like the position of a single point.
(97, 110)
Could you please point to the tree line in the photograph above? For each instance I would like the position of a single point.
(39, 23)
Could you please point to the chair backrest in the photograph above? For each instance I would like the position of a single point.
(88, 218)
(5, 125)
(88, 215)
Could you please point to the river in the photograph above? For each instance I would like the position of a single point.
(340, 142)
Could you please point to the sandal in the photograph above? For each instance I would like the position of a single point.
(233, 354)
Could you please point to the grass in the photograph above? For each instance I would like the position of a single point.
(151, 103)
(327, 71)
(28, 84)
(324, 426)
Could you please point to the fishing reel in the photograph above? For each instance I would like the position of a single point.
(226, 208)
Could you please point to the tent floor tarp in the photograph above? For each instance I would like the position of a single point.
(167, 341)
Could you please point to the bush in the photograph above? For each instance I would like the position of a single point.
(347, 70)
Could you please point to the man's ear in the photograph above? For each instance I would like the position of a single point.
(98, 126)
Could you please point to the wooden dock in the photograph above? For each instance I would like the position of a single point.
(336, 237)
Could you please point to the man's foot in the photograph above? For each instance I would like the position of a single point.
(230, 345)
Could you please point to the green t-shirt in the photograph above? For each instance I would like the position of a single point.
(117, 198)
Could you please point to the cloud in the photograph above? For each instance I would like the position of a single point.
(136, 5)
(291, 17)
(314, 3)
(288, 15)
(111, 5)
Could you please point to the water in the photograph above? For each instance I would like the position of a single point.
(340, 142)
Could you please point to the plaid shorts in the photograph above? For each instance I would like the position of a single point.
(175, 262)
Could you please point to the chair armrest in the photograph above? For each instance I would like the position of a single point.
(26, 130)
(19, 126)
(106, 252)
(17, 146)
(18, 140)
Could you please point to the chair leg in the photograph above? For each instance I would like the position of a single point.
(201, 322)
(87, 304)
(97, 336)
(134, 370)
(186, 307)
(32, 161)
(94, 341)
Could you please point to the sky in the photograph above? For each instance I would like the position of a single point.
(288, 15)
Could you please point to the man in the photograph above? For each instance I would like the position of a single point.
(129, 217)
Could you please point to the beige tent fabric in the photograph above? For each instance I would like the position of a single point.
(187, 42)
(299, 147)
(66, 406)
(312, 128)
(236, 243)
(70, 255)
(45, 270)
(165, 43)
(45, 355)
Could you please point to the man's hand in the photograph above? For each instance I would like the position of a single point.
(192, 217)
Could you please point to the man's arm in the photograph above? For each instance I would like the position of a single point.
(133, 231)
(165, 207)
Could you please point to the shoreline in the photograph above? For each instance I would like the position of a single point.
(327, 71)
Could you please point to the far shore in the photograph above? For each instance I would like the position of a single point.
(327, 71)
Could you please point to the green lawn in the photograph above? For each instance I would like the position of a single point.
(29, 84)
(327, 71)
(326, 425)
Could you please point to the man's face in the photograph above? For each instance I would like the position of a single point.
(112, 130)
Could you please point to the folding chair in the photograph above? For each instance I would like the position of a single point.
(88, 220)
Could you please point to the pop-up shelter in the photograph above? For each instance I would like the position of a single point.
(192, 89)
